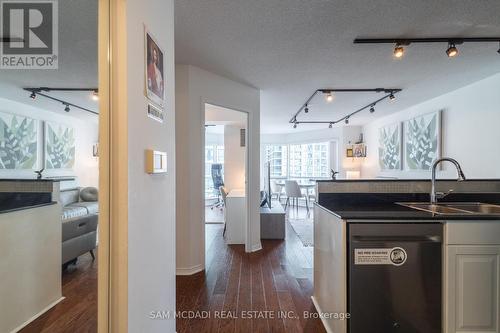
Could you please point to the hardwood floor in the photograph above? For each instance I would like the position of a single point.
(276, 281)
(77, 313)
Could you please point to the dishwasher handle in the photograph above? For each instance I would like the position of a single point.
(423, 238)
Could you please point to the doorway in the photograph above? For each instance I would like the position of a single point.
(58, 147)
(225, 175)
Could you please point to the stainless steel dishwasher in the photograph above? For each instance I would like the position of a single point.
(394, 277)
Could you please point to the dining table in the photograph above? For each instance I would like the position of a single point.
(306, 184)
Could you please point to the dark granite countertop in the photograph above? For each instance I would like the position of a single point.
(368, 206)
(53, 179)
(4, 211)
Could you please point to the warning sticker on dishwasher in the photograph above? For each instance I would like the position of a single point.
(394, 256)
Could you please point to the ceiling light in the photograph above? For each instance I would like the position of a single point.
(67, 109)
(33, 95)
(330, 126)
(399, 51)
(95, 95)
(347, 120)
(392, 97)
(329, 97)
(372, 109)
(452, 51)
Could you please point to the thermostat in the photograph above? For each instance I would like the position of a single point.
(156, 161)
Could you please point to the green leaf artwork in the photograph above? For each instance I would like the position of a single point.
(422, 141)
(59, 146)
(18, 142)
(389, 151)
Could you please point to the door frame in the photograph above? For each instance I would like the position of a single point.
(112, 297)
(248, 146)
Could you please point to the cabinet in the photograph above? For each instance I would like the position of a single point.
(472, 274)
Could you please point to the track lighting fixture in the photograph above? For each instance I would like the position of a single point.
(452, 50)
(329, 97)
(452, 42)
(399, 51)
(387, 93)
(45, 93)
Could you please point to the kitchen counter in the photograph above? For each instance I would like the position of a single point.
(374, 206)
(19, 194)
(365, 245)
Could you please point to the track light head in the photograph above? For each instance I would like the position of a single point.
(452, 50)
(295, 125)
(399, 51)
(306, 110)
(392, 97)
(67, 109)
(347, 121)
(372, 109)
(498, 48)
(330, 126)
(33, 95)
(95, 95)
(329, 97)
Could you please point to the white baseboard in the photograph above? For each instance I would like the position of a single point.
(323, 320)
(189, 270)
(257, 247)
(50, 306)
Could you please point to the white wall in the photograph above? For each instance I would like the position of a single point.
(470, 133)
(194, 88)
(86, 167)
(234, 159)
(214, 139)
(151, 198)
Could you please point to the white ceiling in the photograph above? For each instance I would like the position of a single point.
(290, 48)
(77, 63)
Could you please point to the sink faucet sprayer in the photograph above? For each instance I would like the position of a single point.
(439, 195)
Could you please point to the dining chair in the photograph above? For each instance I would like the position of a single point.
(292, 190)
(224, 193)
(276, 190)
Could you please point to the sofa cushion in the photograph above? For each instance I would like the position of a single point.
(89, 194)
(91, 206)
(71, 212)
(77, 227)
(70, 196)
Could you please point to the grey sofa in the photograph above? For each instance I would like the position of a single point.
(79, 225)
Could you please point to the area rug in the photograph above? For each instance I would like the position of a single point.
(304, 230)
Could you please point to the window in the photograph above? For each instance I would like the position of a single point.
(299, 160)
(213, 154)
(277, 156)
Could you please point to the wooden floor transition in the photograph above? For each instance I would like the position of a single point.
(277, 280)
(77, 313)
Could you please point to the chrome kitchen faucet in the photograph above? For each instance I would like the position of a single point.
(439, 195)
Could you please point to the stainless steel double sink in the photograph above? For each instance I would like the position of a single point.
(454, 208)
